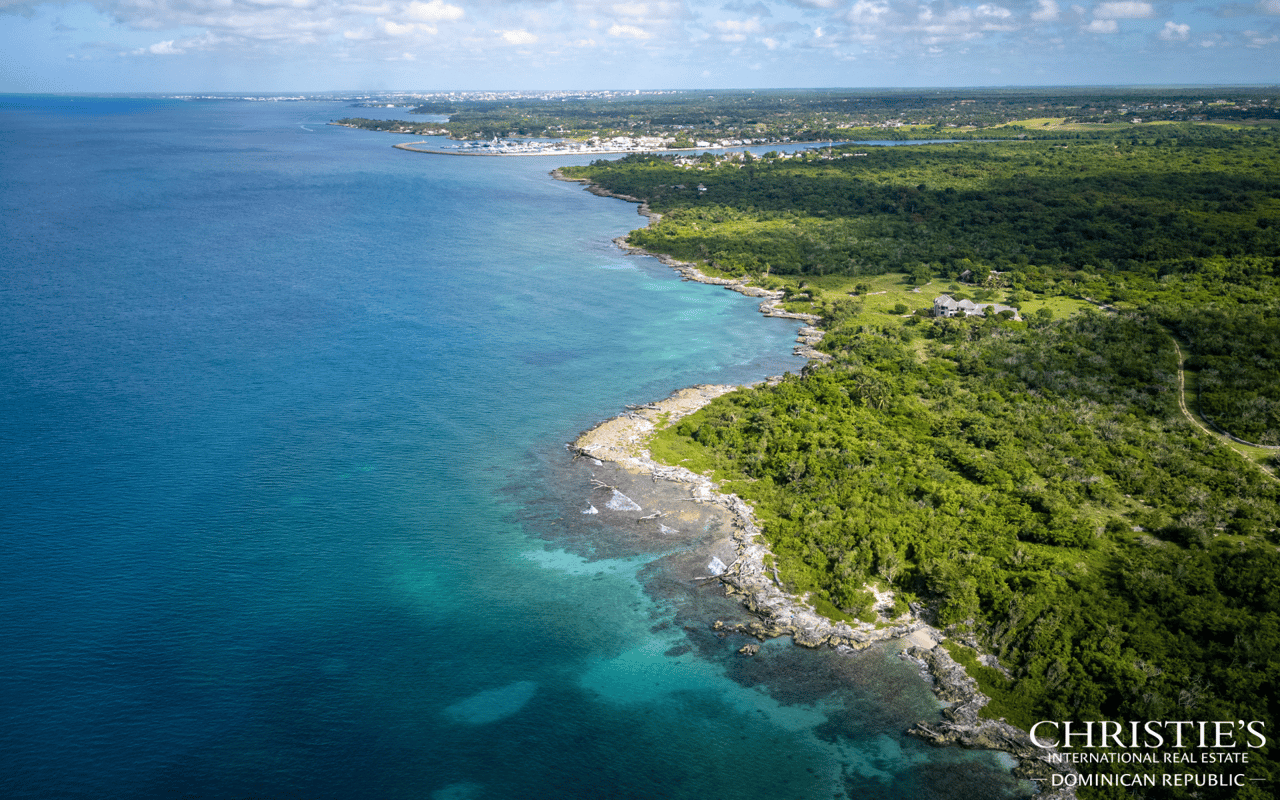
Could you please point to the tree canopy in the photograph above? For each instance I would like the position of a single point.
(1035, 481)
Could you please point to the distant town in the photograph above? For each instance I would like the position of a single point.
(616, 144)
(512, 123)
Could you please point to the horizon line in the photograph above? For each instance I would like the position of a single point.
(856, 89)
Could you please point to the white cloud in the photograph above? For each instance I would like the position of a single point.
(867, 12)
(732, 30)
(284, 3)
(357, 9)
(962, 23)
(165, 48)
(739, 26)
(519, 36)
(266, 26)
(434, 11)
(392, 28)
(731, 34)
(1124, 9)
(628, 32)
(1049, 12)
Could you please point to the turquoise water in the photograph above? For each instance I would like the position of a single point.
(287, 510)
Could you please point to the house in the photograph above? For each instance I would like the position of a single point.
(946, 306)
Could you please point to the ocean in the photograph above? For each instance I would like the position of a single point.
(287, 510)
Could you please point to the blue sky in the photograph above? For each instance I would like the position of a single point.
(319, 45)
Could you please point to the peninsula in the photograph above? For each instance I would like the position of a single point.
(593, 146)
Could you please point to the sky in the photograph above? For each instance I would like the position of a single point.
(181, 46)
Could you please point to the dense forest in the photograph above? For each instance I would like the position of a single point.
(1145, 205)
(1031, 481)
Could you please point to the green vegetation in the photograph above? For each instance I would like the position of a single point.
(1175, 204)
(1240, 395)
(1034, 482)
(394, 126)
(832, 115)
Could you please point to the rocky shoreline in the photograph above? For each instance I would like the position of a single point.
(771, 301)
(622, 440)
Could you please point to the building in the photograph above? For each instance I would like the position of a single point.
(946, 306)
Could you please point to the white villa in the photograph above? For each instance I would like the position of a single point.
(945, 306)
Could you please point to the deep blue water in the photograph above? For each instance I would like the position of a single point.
(286, 510)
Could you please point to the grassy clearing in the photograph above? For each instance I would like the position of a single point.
(1060, 306)
(1035, 122)
(668, 448)
(882, 295)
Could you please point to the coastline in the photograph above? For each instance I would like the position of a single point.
(409, 146)
(770, 305)
(622, 440)
(570, 151)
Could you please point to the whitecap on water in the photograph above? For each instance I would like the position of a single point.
(620, 502)
(591, 509)
(492, 705)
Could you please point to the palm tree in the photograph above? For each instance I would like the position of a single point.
(871, 391)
